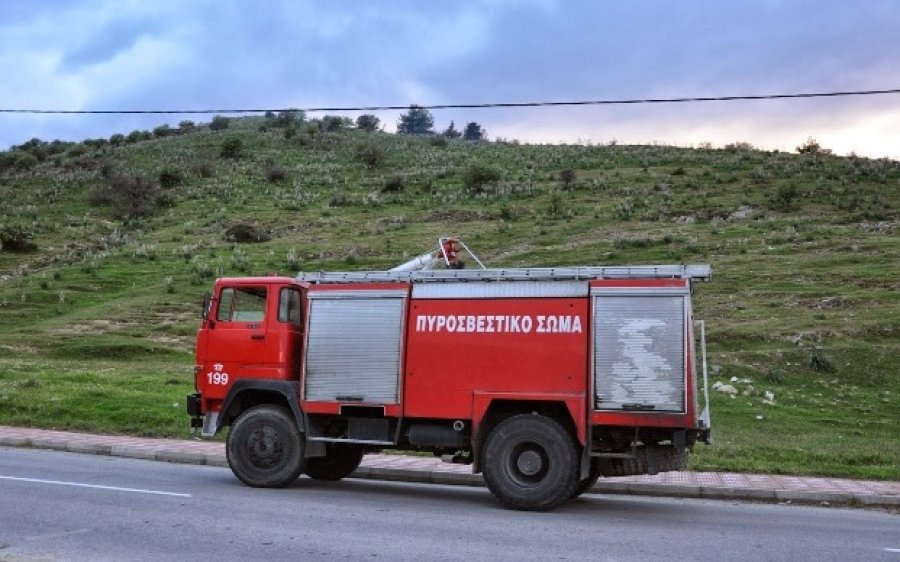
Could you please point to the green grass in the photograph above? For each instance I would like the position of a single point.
(96, 324)
(143, 398)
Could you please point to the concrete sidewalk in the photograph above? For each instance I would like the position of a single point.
(717, 485)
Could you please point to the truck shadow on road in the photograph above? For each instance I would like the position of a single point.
(442, 496)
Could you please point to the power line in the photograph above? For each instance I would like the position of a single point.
(461, 105)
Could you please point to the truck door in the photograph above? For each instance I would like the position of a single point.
(236, 344)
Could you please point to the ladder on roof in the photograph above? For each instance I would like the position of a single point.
(578, 273)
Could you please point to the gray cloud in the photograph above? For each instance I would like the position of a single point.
(102, 54)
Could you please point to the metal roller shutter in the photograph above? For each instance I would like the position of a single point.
(353, 349)
(639, 353)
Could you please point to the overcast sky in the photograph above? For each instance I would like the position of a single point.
(208, 54)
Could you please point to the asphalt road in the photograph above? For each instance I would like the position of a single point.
(67, 506)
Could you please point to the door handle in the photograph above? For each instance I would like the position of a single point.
(257, 336)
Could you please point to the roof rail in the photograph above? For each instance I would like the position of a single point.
(691, 272)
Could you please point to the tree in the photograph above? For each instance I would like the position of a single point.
(812, 146)
(289, 118)
(451, 132)
(567, 177)
(162, 131)
(334, 123)
(417, 121)
(368, 123)
(474, 132)
(218, 123)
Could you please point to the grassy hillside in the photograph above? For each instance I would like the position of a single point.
(109, 248)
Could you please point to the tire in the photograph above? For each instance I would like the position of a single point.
(530, 463)
(340, 461)
(588, 483)
(647, 460)
(264, 447)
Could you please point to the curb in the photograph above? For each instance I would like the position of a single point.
(455, 478)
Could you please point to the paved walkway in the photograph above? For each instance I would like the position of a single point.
(719, 485)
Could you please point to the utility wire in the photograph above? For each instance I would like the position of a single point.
(461, 105)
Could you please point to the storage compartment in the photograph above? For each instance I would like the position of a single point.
(354, 346)
(639, 350)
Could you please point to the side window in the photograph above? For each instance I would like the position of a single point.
(289, 309)
(244, 304)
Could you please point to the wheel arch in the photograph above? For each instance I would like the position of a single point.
(247, 393)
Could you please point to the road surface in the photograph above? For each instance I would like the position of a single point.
(67, 506)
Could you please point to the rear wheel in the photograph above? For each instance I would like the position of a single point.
(340, 461)
(265, 448)
(530, 463)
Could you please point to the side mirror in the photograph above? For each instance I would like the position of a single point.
(206, 306)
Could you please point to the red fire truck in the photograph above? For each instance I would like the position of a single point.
(543, 379)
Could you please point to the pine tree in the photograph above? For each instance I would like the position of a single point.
(417, 121)
(474, 132)
(451, 132)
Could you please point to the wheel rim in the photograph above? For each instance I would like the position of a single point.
(528, 464)
(264, 447)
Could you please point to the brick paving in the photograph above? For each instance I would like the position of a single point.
(723, 485)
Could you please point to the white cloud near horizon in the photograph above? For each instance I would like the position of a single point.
(109, 54)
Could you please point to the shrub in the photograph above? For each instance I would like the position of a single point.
(478, 176)
(275, 173)
(394, 184)
(243, 232)
(232, 147)
(170, 177)
(6, 161)
(556, 207)
(372, 155)
(186, 125)
(439, 142)
(567, 178)
(204, 169)
(16, 238)
(784, 196)
(134, 136)
(289, 118)
(812, 146)
(162, 131)
(24, 161)
(368, 123)
(117, 139)
(76, 151)
(820, 362)
(624, 211)
(95, 143)
(131, 197)
(218, 123)
(339, 199)
(334, 123)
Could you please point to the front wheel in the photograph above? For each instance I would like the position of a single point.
(264, 447)
(340, 461)
(530, 463)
